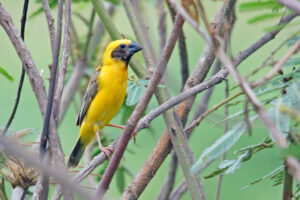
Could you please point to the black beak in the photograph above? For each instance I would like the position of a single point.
(133, 48)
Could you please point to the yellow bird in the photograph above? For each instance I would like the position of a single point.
(104, 96)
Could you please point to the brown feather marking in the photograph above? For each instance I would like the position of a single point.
(89, 96)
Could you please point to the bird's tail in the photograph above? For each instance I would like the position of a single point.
(76, 154)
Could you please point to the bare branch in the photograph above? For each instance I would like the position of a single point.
(161, 23)
(188, 18)
(278, 65)
(50, 22)
(170, 180)
(71, 87)
(45, 132)
(156, 158)
(287, 193)
(12, 115)
(291, 4)
(220, 178)
(35, 79)
(217, 78)
(294, 167)
(64, 61)
(87, 169)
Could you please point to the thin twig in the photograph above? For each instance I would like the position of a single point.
(184, 65)
(141, 106)
(197, 121)
(24, 193)
(170, 180)
(294, 167)
(72, 86)
(90, 33)
(182, 187)
(217, 78)
(273, 130)
(188, 18)
(46, 128)
(161, 24)
(64, 61)
(36, 81)
(45, 132)
(220, 178)
(186, 159)
(278, 65)
(287, 193)
(12, 115)
(50, 22)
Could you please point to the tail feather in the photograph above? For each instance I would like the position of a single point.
(76, 154)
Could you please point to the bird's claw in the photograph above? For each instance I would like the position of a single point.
(107, 151)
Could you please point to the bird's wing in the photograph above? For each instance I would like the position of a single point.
(89, 96)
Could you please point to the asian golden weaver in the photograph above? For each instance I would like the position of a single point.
(104, 96)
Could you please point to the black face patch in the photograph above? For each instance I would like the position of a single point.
(121, 53)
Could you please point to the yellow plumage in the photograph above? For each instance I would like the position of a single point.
(104, 95)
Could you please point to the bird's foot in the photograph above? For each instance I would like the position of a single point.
(107, 151)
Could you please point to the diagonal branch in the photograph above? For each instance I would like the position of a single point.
(12, 115)
(140, 108)
(291, 4)
(35, 78)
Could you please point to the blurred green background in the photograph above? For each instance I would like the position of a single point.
(28, 114)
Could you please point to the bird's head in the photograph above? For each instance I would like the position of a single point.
(120, 50)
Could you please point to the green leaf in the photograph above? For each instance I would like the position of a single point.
(120, 175)
(238, 162)
(229, 166)
(217, 172)
(134, 93)
(269, 175)
(6, 74)
(266, 143)
(259, 5)
(292, 62)
(263, 17)
(223, 144)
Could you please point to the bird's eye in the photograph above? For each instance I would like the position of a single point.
(122, 46)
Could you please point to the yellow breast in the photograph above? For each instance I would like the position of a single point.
(112, 83)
